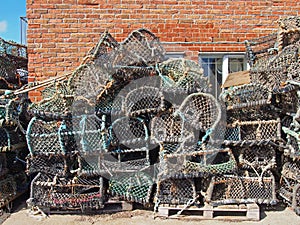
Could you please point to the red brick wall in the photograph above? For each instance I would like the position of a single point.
(60, 32)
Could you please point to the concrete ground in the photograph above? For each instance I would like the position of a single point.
(279, 215)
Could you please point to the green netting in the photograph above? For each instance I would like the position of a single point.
(43, 137)
(200, 163)
(183, 73)
(135, 187)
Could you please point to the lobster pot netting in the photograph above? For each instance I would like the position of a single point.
(11, 110)
(233, 189)
(183, 73)
(128, 149)
(175, 191)
(275, 74)
(56, 103)
(133, 187)
(140, 47)
(87, 83)
(293, 71)
(258, 157)
(132, 73)
(58, 98)
(43, 137)
(170, 128)
(129, 131)
(104, 48)
(13, 65)
(54, 164)
(260, 49)
(110, 103)
(11, 139)
(289, 32)
(287, 101)
(144, 100)
(253, 132)
(82, 133)
(204, 163)
(201, 111)
(290, 184)
(244, 96)
(67, 194)
(124, 160)
(263, 112)
(293, 142)
(291, 170)
(14, 49)
(89, 164)
(8, 190)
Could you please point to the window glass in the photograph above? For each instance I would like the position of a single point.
(235, 65)
(213, 65)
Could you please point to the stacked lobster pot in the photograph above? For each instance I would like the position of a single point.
(126, 125)
(275, 65)
(187, 135)
(88, 140)
(13, 122)
(254, 133)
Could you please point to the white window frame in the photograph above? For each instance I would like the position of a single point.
(224, 56)
(169, 55)
(225, 64)
(225, 60)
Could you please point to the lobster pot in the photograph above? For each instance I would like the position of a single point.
(67, 194)
(258, 50)
(246, 96)
(258, 157)
(8, 190)
(261, 131)
(132, 132)
(290, 185)
(233, 189)
(133, 187)
(287, 101)
(175, 191)
(197, 164)
(141, 46)
(11, 140)
(293, 142)
(82, 133)
(144, 100)
(54, 164)
(110, 103)
(129, 147)
(289, 32)
(43, 137)
(56, 103)
(89, 164)
(9, 111)
(129, 160)
(184, 74)
(169, 129)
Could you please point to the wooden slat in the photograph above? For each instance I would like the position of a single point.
(237, 78)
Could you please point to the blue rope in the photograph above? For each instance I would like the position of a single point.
(208, 132)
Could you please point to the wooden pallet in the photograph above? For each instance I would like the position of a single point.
(226, 212)
(109, 207)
